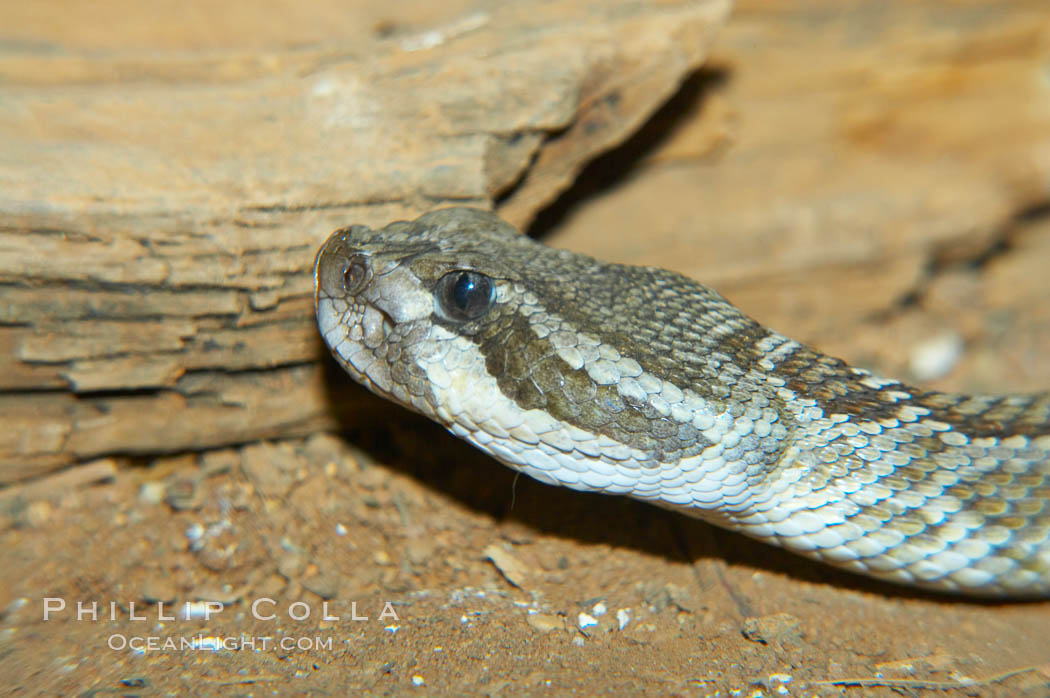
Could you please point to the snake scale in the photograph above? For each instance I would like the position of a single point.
(641, 382)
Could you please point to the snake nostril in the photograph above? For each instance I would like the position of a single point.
(356, 275)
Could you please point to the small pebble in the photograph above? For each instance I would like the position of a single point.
(421, 551)
(194, 532)
(545, 622)
(222, 461)
(291, 565)
(324, 585)
(270, 587)
(512, 569)
(37, 513)
(152, 492)
(158, 589)
(585, 621)
(936, 357)
(778, 628)
(183, 494)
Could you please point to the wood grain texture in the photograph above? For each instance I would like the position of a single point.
(163, 195)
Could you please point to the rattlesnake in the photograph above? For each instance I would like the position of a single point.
(639, 381)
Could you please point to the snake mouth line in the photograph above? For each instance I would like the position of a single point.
(376, 326)
(356, 322)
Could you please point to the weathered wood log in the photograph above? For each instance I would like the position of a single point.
(159, 212)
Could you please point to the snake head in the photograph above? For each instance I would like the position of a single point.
(552, 362)
(390, 302)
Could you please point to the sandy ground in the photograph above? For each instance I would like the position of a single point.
(442, 573)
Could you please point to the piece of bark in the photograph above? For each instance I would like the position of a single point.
(161, 210)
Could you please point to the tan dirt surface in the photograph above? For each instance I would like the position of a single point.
(872, 177)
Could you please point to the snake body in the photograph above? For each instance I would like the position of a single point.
(641, 382)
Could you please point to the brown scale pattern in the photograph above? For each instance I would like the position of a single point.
(1006, 494)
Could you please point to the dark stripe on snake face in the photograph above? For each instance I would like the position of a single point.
(530, 373)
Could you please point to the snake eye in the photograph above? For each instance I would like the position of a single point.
(463, 296)
(357, 275)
